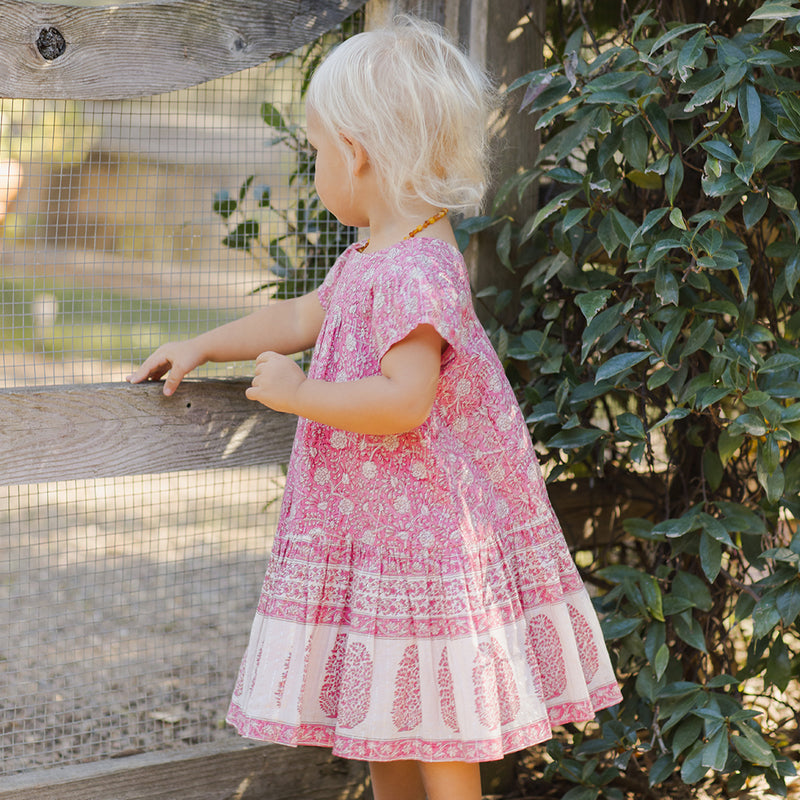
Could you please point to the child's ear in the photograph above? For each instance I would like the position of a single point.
(359, 158)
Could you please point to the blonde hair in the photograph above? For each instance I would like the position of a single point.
(418, 106)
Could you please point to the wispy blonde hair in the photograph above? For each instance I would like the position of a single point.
(419, 107)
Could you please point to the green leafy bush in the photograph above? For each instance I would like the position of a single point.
(654, 345)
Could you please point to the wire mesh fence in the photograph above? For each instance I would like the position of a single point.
(125, 602)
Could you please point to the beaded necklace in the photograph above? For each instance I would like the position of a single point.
(442, 212)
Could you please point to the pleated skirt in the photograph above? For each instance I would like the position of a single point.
(465, 651)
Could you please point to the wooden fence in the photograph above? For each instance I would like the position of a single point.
(91, 50)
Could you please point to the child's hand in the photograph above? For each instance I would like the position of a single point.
(175, 358)
(276, 382)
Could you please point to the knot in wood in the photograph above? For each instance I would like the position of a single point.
(51, 43)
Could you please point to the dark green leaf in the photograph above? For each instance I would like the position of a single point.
(715, 750)
(600, 325)
(652, 218)
(749, 105)
(687, 735)
(565, 175)
(765, 616)
(574, 438)
(694, 589)
(224, 205)
(779, 665)
(778, 362)
(673, 33)
(273, 117)
(607, 234)
(542, 214)
(690, 54)
(617, 627)
(667, 287)
(636, 143)
(754, 208)
(788, 601)
(712, 469)
(753, 752)
(582, 793)
(675, 414)
(689, 630)
(590, 303)
(674, 178)
(698, 337)
(675, 528)
(775, 10)
(562, 144)
(782, 198)
(243, 235)
(661, 661)
(244, 187)
(573, 217)
(503, 246)
(710, 556)
(631, 426)
(662, 768)
(625, 228)
(692, 769)
(728, 444)
(617, 365)
(720, 149)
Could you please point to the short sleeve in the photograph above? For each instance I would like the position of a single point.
(325, 288)
(426, 285)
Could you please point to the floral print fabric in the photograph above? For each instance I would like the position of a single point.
(420, 601)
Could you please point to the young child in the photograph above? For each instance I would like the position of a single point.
(421, 610)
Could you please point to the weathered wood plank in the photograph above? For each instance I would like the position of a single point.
(113, 429)
(117, 51)
(244, 772)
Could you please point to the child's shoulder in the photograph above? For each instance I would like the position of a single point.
(422, 262)
(421, 255)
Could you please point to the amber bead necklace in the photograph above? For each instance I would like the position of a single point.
(442, 212)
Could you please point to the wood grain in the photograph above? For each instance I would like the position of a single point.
(119, 51)
(113, 429)
(238, 772)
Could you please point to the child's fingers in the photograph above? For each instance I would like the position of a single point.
(174, 377)
(153, 368)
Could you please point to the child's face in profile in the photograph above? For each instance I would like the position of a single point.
(332, 176)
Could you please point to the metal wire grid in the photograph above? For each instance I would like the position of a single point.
(125, 603)
(125, 610)
(110, 242)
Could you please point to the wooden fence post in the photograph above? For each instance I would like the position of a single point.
(506, 38)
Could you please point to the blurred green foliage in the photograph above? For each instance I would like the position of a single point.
(310, 238)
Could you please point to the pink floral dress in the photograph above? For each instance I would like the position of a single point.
(420, 601)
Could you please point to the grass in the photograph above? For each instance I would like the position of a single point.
(68, 322)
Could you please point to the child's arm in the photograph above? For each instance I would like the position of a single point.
(288, 326)
(397, 400)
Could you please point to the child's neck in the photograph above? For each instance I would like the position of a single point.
(387, 230)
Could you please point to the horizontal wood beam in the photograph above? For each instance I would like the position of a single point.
(116, 51)
(210, 772)
(113, 429)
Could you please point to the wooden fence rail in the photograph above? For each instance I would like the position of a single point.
(233, 772)
(113, 51)
(114, 429)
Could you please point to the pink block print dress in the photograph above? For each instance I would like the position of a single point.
(420, 601)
